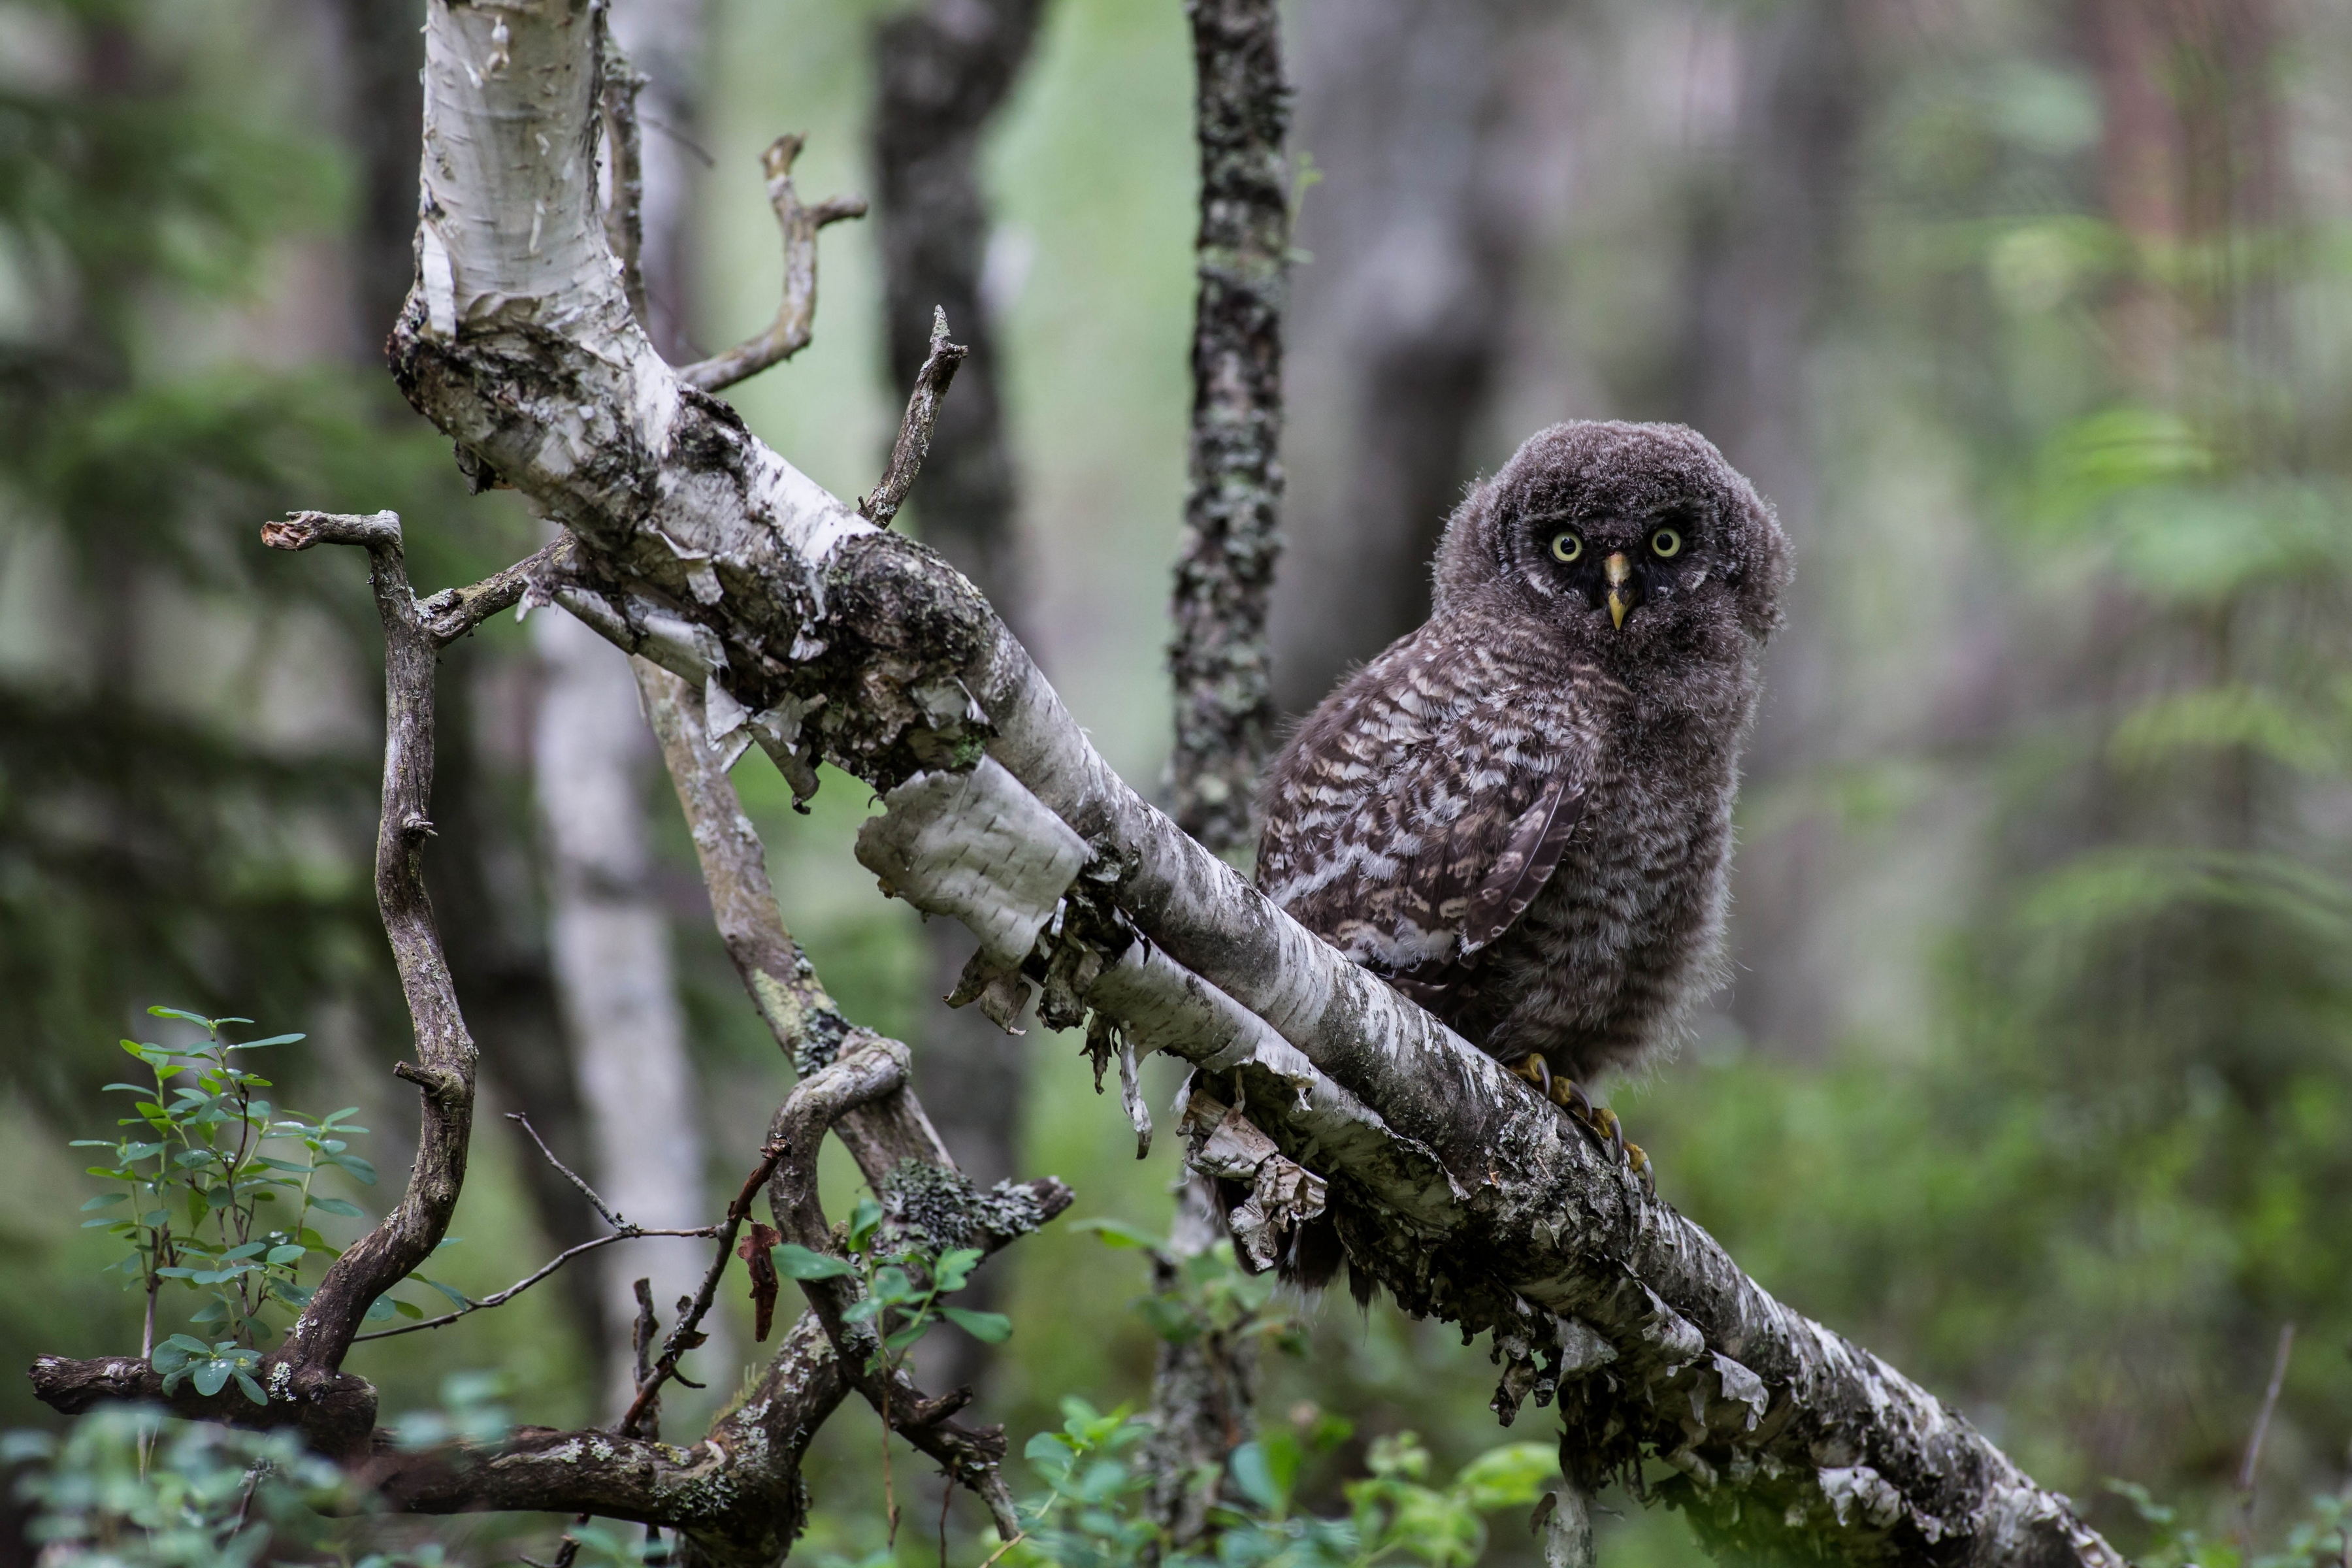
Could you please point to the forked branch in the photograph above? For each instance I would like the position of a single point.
(796, 315)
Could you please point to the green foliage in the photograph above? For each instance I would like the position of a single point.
(2322, 1538)
(1094, 1513)
(904, 1280)
(129, 1487)
(1207, 1293)
(207, 1204)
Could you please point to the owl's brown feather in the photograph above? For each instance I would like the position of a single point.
(1520, 812)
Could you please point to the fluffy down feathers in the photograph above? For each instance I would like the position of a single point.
(1520, 812)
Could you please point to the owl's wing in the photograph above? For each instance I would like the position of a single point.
(1411, 832)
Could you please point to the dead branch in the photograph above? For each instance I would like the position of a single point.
(454, 611)
(914, 442)
(579, 1183)
(789, 332)
(624, 211)
(501, 1298)
(969, 1456)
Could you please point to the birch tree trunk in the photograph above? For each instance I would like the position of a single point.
(610, 938)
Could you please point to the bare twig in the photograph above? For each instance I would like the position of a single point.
(625, 222)
(684, 1334)
(453, 612)
(614, 1220)
(501, 1297)
(2249, 1467)
(914, 442)
(789, 332)
(1224, 573)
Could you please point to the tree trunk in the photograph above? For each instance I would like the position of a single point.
(611, 942)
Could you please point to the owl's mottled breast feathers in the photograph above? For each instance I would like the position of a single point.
(1520, 812)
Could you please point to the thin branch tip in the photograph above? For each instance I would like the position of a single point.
(916, 426)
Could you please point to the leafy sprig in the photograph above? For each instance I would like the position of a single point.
(219, 1187)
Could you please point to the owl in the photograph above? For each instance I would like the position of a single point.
(1520, 815)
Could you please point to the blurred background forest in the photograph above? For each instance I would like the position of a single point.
(2034, 320)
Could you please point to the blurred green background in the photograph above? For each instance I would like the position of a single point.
(2035, 320)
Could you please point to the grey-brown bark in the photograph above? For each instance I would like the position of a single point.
(1224, 569)
(1203, 1391)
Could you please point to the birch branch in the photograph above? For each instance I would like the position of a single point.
(1450, 1183)
(796, 315)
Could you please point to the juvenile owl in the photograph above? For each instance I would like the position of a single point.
(1520, 814)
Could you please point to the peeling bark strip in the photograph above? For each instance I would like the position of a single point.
(1450, 1182)
(1225, 694)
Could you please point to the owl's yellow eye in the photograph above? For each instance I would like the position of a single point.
(1666, 543)
(1566, 547)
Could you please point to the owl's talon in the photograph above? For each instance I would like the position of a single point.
(1536, 1071)
(1638, 1162)
(1612, 1132)
(1569, 1095)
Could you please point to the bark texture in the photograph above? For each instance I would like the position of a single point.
(1225, 570)
(1452, 1184)
(1204, 1392)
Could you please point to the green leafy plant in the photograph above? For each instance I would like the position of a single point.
(1092, 1513)
(904, 1283)
(1206, 1293)
(219, 1188)
(129, 1487)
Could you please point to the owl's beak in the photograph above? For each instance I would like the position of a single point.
(1620, 573)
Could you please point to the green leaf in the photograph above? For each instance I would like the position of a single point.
(409, 1310)
(1119, 1233)
(1513, 1476)
(456, 1298)
(861, 1310)
(988, 1328)
(292, 1252)
(252, 1389)
(893, 1285)
(863, 1221)
(1255, 1477)
(379, 1311)
(954, 1268)
(795, 1261)
(105, 1200)
(337, 1207)
(272, 1041)
(212, 1377)
(907, 1337)
(359, 1169)
(198, 1019)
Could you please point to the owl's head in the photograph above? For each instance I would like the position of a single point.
(1633, 540)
